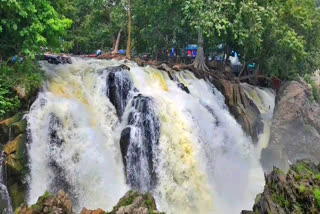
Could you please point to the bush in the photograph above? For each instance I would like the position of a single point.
(316, 193)
(26, 75)
(314, 87)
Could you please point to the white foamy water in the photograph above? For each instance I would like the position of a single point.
(203, 160)
(90, 155)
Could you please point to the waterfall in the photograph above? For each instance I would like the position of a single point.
(5, 201)
(264, 99)
(99, 128)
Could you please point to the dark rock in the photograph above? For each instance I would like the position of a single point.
(295, 192)
(247, 212)
(241, 107)
(56, 59)
(295, 130)
(59, 181)
(124, 143)
(5, 127)
(119, 85)
(142, 142)
(183, 87)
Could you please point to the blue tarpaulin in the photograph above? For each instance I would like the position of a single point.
(192, 47)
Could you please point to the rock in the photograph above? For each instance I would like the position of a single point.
(135, 203)
(16, 155)
(19, 127)
(5, 127)
(183, 87)
(59, 204)
(98, 211)
(140, 161)
(241, 107)
(17, 193)
(57, 59)
(292, 193)
(295, 129)
(247, 212)
(13, 134)
(119, 86)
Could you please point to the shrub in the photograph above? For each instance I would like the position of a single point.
(316, 193)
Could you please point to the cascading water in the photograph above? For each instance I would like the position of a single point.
(264, 99)
(95, 130)
(5, 201)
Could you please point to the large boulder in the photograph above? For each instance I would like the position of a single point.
(295, 127)
(293, 193)
(135, 203)
(131, 203)
(60, 203)
(241, 107)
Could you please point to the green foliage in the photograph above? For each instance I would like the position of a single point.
(302, 169)
(279, 199)
(302, 188)
(26, 77)
(316, 193)
(26, 26)
(317, 177)
(314, 88)
(9, 102)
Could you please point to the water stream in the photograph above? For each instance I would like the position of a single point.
(98, 130)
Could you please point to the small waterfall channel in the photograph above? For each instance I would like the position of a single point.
(99, 128)
(5, 201)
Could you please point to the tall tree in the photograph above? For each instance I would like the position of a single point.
(128, 52)
(26, 26)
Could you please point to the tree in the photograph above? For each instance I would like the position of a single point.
(26, 26)
(128, 52)
(210, 19)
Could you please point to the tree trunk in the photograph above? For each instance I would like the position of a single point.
(116, 46)
(199, 61)
(128, 52)
(114, 40)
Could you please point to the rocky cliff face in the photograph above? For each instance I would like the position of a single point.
(295, 127)
(14, 138)
(292, 193)
(241, 107)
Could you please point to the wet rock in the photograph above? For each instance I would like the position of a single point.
(119, 85)
(13, 134)
(16, 155)
(57, 59)
(292, 193)
(98, 211)
(19, 127)
(241, 107)
(295, 130)
(124, 143)
(56, 141)
(183, 87)
(59, 204)
(141, 138)
(17, 168)
(135, 203)
(5, 127)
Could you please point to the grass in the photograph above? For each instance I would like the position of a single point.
(302, 189)
(316, 193)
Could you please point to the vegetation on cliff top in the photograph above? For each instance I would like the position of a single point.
(298, 191)
(282, 37)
